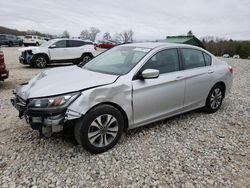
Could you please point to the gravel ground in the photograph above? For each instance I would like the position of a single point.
(190, 150)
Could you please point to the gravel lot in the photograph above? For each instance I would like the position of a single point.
(190, 150)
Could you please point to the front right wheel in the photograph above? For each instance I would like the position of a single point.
(100, 129)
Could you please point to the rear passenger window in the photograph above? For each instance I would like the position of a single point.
(207, 58)
(76, 43)
(193, 58)
(165, 61)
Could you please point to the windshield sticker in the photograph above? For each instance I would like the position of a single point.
(142, 49)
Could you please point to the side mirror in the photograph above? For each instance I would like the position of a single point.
(150, 74)
(52, 46)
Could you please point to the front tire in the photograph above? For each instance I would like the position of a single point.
(100, 129)
(40, 61)
(214, 99)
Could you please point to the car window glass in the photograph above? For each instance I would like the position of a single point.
(193, 58)
(60, 44)
(207, 58)
(76, 43)
(165, 61)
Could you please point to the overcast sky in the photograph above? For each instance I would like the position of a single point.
(149, 19)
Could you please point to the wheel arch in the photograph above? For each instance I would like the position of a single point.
(87, 53)
(43, 54)
(223, 86)
(118, 107)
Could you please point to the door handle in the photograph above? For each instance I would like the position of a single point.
(210, 71)
(179, 78)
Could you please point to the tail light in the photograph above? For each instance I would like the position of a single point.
(230, 69)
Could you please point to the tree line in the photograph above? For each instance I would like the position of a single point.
(219, 46)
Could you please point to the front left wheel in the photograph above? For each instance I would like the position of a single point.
(100, 129)
(40, 61)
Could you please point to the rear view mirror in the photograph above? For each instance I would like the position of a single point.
(150, 74)
(52, 46)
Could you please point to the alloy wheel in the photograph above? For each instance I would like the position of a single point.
(103, 130)
(216, 98)
(41, 62)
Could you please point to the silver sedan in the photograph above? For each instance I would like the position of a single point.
(126, 87)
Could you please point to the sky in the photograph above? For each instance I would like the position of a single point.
(149, 19)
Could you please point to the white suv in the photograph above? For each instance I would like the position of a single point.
(33, 40)
(58, 51)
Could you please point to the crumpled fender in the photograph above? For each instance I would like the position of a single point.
(119, 94)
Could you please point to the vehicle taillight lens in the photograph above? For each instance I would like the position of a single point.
(230, 69)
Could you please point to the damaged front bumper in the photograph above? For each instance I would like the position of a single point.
(45, 122)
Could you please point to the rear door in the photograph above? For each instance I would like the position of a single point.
(74, 48)
(198, 76)
(155, 98)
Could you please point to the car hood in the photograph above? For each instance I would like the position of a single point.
(63, 80)
(30, 48)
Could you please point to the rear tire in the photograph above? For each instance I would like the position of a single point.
(40, 61)
(85, 59)
(214, 99)
(100, 129)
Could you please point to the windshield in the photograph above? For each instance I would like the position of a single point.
(48, 43)
(119, 60)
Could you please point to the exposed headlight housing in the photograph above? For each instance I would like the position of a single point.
(56, 102)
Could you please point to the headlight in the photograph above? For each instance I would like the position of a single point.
(53, 102)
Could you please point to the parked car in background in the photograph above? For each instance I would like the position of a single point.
(33, 40)
(123, 88)
(58, 51)
(226, 56)
(107, 44)
(4, 73)
(10, 40)
(236, 56)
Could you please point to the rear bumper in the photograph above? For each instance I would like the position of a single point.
(4, 75)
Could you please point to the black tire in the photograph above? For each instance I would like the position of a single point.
(40, 61)
(214, 99)
(20, 43)
(10, 44)
(37, 44)
(106, 140)
(85, 59)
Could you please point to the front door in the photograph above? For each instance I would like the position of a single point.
(59, 51)
(154, 99)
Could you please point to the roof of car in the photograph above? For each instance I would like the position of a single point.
(152, 45)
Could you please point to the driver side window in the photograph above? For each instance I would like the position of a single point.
(165, 61)
(60, 44)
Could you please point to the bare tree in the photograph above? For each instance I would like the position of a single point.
(85, 35)
(190, 33)
(65, 34)
(93, 31)
(107, 36)
(125, 36)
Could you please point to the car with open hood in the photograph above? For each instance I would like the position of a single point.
(58, 51)
(123, 88)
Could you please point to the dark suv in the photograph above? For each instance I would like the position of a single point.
(10, 40)
(4, 73)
